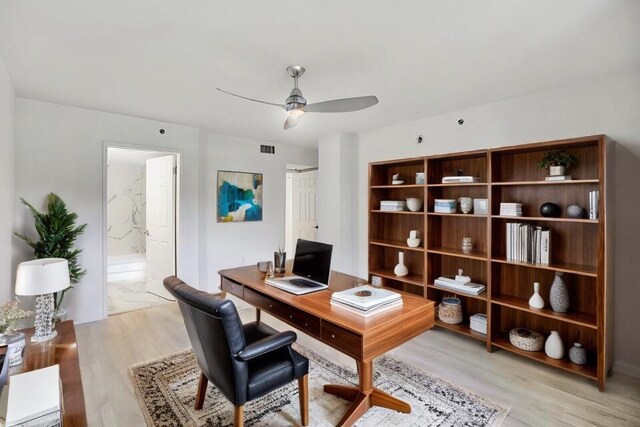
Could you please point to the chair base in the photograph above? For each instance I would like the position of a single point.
(202, 391)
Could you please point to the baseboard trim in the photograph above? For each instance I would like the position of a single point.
(631, 369)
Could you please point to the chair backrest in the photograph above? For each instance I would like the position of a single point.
(216, 335)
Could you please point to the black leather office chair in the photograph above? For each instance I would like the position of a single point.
(243, 361)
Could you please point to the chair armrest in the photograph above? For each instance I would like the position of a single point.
(265, 345)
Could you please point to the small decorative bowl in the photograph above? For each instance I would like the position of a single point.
(414, 204)
(526, 339)
(450, 310)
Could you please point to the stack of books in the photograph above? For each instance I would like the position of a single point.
(445, 205)
(510, 209)
(594, 203)
(558, 178)
(392, 205)
(528, 243)
(366, 300)
(35, 398)
(457, 286)
(459, 179)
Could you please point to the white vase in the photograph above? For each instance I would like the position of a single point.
(554, 347)
(401, 269)
(413, 241)
(536, 300)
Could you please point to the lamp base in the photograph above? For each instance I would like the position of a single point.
(42, 338)
(44, 319)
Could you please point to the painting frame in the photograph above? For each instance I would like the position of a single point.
(239, 196)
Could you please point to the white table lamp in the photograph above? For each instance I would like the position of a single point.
(43, 277)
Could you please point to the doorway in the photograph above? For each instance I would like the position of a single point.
(301, 219)
(141, 200)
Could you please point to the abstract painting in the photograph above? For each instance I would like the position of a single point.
(239, 196)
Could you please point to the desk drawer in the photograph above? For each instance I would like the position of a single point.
(265, 303)
(232, 287)
(342, 339)
(296, 318)
(303, 321)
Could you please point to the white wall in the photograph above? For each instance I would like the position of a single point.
(60, 149)
(337, 197)
(7, 194)
(126, 209)
(244, 243)
(611, 107)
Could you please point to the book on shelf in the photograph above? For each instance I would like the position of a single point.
(392, 205)
(558, 178)
(459, 179)
(457, 286)
(366, 299)
(445, 205)
(510, 209)
(594, 204)
(528, 243)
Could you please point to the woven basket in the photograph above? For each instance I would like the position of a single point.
(526, 339)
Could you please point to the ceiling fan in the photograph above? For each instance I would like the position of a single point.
(296, 105)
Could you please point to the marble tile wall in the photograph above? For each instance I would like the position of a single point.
(125, 209)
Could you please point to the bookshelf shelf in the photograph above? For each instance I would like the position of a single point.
(482, 296)
(462, 328)
(584, 270)
(544, 218)
(398, 244)
(570, 182)
(581, 319)
(580, 248)
(457, 253)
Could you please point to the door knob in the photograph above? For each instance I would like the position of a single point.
(147, 233)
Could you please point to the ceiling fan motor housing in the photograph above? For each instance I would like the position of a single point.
(295, 101)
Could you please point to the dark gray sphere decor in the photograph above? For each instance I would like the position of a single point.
(550, 210)
(575, 211)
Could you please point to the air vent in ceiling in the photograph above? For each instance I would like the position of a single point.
(268, 149)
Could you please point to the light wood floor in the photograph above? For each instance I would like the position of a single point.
(536, 395)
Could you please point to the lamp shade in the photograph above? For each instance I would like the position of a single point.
(42, 276)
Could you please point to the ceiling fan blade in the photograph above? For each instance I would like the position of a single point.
(291, 121)
(342, 105)
(251, 99)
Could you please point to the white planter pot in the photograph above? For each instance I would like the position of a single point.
(556, 170)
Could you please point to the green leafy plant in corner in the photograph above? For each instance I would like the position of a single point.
(558, 158)
(57, 233)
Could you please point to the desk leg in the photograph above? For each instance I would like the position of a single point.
(257, 314)
(365, 395)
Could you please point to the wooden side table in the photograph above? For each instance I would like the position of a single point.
(61, 350)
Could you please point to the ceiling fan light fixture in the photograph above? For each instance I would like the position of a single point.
(296, 112)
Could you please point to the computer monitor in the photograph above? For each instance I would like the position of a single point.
(313, 260)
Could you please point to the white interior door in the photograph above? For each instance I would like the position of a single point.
(305, 218)
(161, 232)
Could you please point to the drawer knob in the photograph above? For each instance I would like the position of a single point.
(290, 316)
(333, 336)
(306, 324)
(270, 305)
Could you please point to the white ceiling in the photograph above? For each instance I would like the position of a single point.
(163, 59)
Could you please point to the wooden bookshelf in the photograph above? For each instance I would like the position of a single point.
(580, 248)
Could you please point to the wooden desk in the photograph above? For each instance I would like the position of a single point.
(61, 350)
(362, 339)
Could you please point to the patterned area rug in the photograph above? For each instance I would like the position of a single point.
(166, 390)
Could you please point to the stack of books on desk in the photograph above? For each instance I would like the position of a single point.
(510, 209)
(366, 300)
(35, 399)
(456, 286)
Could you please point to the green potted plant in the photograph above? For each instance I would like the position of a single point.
(57, 231)
(558, 162)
